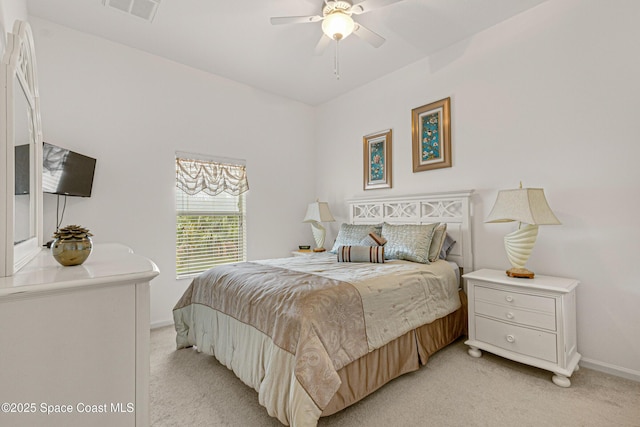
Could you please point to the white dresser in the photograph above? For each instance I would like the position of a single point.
(531, 321)
(74, 341)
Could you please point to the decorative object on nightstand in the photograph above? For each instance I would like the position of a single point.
(529, 206)
(529, 321)
(302, 250)
(318, 212)
(72, 245)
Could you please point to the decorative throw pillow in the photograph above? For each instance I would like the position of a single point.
(373, 239)
(408, 241)
(351, 234)
(361, 254)
(437, 241)
(446, 246)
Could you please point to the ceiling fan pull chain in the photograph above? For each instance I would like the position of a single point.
(336, 66)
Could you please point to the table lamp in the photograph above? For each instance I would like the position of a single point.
(528, 206)
(318, 212)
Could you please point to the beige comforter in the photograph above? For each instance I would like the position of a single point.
(309, 318)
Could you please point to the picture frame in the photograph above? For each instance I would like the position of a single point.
(377, 160)
(431, 136)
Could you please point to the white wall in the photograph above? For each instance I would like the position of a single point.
(132, 111)
(550, 98)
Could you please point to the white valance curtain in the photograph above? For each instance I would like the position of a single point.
(194, 176)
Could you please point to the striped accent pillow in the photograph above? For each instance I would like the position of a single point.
(361, 254)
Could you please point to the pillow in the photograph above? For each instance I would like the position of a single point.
(437, 241)
(408, 241)
(361, 254)
(373, 239)
(350, 234)
(446, 246)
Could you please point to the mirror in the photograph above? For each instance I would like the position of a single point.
(21, 152)
(23, 214)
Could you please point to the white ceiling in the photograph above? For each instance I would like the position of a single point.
(235, 39)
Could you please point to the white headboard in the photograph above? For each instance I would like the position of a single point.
(453, 207)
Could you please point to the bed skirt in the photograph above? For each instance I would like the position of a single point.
(268, 369)
(402, 355)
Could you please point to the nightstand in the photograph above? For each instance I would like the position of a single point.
(531, 321)
(305, 252)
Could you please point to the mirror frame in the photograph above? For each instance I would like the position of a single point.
(19, 64)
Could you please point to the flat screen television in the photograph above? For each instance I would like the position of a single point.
(66, 172)
(23, 169)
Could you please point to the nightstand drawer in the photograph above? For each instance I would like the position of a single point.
(539, 319)
(538, 344)
(515, 299)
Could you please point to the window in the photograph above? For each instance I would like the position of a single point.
(210, 213)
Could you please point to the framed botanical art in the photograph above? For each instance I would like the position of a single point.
(431, 135)
(377, 160)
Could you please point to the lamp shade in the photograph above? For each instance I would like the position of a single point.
(338, 25)
(526, 205)
(318, 212)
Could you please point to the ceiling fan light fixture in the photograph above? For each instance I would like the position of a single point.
(338, 25)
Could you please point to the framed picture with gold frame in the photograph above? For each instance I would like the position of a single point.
(431, 136)
(377, 160)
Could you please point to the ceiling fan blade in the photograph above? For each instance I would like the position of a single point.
(369, 5)
(369, 36)
(279, 20)
(322, 45)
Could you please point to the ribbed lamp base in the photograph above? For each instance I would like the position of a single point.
(518, 245)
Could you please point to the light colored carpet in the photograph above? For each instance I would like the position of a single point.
(192, 389)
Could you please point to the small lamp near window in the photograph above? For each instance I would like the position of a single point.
(528, 206)
(318, 212)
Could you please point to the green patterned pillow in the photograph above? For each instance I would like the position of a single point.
(437, 241)
(352, 234)
(410, 242)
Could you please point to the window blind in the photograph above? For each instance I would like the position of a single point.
(210, 224)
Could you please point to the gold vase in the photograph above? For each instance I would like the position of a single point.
(71, 251)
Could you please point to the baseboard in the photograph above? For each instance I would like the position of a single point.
(607, 368)
(161, 324)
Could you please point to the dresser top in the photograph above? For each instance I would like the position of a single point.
(557, 284)
(109, 263)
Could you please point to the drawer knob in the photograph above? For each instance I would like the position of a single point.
(509, 298)
(509, 315)
(511, 338)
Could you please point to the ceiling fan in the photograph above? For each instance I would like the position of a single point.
(337, 21)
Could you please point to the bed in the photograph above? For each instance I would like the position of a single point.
(313, 335)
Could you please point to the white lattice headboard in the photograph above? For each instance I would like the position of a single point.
(454, 208)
